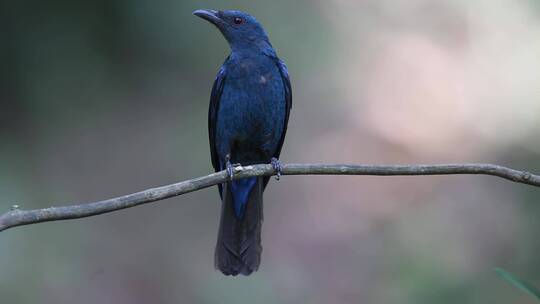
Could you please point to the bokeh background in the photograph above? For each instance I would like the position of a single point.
(103, 98)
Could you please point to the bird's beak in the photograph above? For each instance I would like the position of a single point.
(208, 15)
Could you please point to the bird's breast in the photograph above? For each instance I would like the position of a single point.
(252, 105)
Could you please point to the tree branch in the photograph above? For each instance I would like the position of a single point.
(17, 217)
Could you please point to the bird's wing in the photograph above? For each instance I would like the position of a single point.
(288, 105)
(217, 89)
(288, 101)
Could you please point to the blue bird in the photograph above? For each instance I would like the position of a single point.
(247, 121)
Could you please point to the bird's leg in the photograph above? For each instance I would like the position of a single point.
(276, 164)
(229, 166)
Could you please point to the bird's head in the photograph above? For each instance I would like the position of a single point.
(241, 30)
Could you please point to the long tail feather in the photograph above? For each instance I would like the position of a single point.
(238, 249)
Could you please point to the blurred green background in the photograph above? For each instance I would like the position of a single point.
(104, 98)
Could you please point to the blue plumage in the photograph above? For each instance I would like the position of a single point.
(240, 191)
(247, 122)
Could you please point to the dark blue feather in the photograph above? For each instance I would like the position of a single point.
(247, 120)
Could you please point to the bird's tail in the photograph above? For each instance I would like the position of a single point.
(238, 249)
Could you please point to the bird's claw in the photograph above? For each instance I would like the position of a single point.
(276, 164)
(229, 167)
(230, 170)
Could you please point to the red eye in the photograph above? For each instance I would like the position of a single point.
(238, 20)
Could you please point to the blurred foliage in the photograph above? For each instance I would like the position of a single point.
(524, 286)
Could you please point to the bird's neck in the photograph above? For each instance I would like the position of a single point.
(250, 48)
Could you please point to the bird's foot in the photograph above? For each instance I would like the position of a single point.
(229, 167)
(276, 164)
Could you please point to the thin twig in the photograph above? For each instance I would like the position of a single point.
(17, 217)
